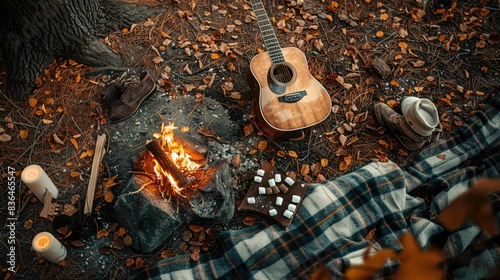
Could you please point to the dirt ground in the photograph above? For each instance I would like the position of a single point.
(201, 50)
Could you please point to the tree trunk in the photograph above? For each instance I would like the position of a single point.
(34, 32)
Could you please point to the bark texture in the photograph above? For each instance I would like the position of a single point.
(34, 32)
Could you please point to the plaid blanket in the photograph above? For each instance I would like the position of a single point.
(336, 216)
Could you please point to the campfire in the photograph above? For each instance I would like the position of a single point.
(173, 183)
(177, 171)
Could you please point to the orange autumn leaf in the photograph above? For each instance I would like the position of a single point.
(109, 197)
(262, 145)
(75, 144)
(78, 78)
(472, 205)
(446, 100)
(293, 154)
(214, 56)
(343, 166)
(384, 16)
(253, 152)
(129, 262)
(112, 181)
(333, 6)
(304, 169)
(372, 264)
(23, 133)
(403, 152)
(102, 233)
(324, 162)
(379, 33)
(383, 143)
(394, 83)
(248, 129)
(32, 102)
(403, 45)
(139, 262)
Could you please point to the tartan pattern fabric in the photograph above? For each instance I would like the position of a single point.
(336, 216)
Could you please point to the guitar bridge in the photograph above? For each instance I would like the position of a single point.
(292, 97)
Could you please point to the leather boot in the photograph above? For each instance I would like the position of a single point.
(111, 94)
(399, 127)
(132, 98)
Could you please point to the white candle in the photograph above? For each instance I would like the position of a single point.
(49, 247)
(38, 181)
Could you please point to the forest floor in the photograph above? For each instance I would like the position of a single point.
(201, 50)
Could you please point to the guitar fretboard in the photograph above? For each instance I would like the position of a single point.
(267, 31)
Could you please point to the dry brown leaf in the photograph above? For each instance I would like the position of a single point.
(23, 133)
(293, 154)
(371, 265)
(129, 262)
(262, 145)
(441, 156)
(236, 160)
(417, 263)
(77, 243)
(304, 169)
(32, 102)
(109, 197)
(446, 100)
(128, 240)
(321, 273)
(249, 221)
(4, 137)
(28, 224)
(118, 244)
(403, 152)
(57, 139)
(384, 16)
(139, 262)
(472, 205)
(343, 139)
(196, 228)
(75, 144)
(394, 83)
(165, 254)
(379, 33)
(102, 233)
(324, 162)
(248, 129)
(418, 63)
(253, 152)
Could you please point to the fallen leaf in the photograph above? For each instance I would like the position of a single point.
(371, 264)
(75, 144)
(324, 162)
(262, 145)
(139, 262)
(4, 137)
(418, 63)
(32, 102)
(293, 154)
(403, 152)
(248, 129)
(441, 156)
(129, 262)
(28, 224)
(249, 221)
(384, 16)
(57, 139)
(196, 228)
(379, 33)
(23, 133)
(128, 240)
(472, 205)
(304, 169)
(77, 243)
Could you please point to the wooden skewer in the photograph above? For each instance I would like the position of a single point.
(94, 173)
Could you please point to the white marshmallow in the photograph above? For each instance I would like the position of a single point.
(271, 183)
(262, 190)
(289, 181)
(279, 200)
(273, 212)
(257, 179)
(295, 198)
(251, 200)
(288, 214)
(277, 178)
(292, 207)
(261, 172)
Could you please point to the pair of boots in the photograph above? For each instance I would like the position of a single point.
(125, 100)
(418, 125)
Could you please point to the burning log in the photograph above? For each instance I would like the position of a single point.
(166, 163)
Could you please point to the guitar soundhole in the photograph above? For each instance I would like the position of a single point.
(283, 73)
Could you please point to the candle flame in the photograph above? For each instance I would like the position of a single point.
(43, 242)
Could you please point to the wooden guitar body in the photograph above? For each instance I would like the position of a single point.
(287, 98)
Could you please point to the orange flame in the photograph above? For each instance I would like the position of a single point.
(176, 153)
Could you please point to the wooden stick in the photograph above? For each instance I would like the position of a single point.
(166, 163)
(94, 173)
(47, 204)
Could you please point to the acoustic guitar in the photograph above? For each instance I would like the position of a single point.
(287, 98)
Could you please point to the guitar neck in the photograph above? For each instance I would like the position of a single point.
(267, 31)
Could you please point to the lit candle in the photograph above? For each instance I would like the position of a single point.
(38, 181)
(49, 247)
